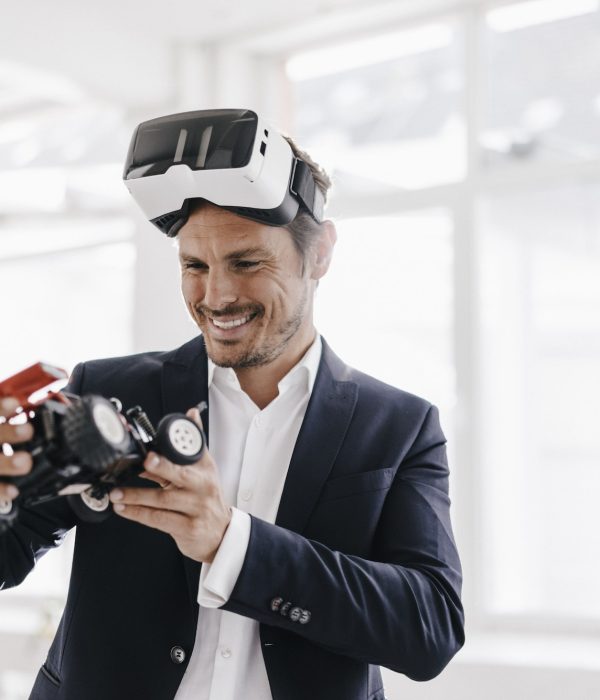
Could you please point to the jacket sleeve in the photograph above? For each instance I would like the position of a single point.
(37, 529)
(399, 608)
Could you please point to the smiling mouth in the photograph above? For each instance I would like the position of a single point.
(234, 323)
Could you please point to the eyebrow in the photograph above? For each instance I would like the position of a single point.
(235, 255)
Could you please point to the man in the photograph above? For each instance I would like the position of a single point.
(315, 533)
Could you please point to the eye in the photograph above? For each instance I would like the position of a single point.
(194, 266)
(246, 264)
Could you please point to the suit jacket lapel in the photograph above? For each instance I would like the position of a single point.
(328, 415)
(325, 424)
(185, 384)
(185, 379)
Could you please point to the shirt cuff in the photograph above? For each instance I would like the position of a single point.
(218, 579)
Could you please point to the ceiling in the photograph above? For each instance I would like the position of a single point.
(122, 50)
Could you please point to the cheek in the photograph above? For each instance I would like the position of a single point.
(191, 288)
(285, 296)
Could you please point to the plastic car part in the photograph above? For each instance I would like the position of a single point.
(179, 439)
(22, 385)
(84, 446)
(96, 433)
(92, 505)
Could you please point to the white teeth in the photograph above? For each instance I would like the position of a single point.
(230, 324)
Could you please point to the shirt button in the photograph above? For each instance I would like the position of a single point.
(177, 655)
(246, 494)
(226, 652)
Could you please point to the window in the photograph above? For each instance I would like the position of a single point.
(384, 112)
(477, 291)
(540, 90)
(66, 277)
(386, 302)
(540, 335)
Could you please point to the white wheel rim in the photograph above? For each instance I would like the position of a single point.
(5, 507)
(97, 504)
(108, 423)
(185, 437)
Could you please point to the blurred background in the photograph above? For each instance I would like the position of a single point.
(463, 138)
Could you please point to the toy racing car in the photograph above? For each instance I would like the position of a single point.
(84, 446)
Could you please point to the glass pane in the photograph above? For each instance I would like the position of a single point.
(385, 305)
(384, 112)
(67, 306)
(540, 280)
(541, 94)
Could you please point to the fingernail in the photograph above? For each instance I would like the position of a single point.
(116, 495)
(12, 491)
(9, 405)
(152, 462)
(21, 461)
(119, 507)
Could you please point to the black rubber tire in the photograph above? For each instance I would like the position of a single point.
(85, 512)
(179, 439)
(87, 440)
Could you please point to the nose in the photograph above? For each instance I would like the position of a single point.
(220, 289)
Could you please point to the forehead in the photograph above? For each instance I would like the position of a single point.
(219, 231)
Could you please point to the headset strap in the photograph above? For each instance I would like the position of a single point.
(304, 187)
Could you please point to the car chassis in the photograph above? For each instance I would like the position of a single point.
(84, 446)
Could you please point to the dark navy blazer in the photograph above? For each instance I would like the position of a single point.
(362, 541)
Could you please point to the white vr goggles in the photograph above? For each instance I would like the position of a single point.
(229, 157)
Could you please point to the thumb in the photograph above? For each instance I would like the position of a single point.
(194, 414)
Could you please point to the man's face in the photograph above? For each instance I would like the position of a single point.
(244, 285)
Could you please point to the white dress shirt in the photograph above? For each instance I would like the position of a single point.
(252, 449)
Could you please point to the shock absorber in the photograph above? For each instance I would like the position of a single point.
(142, 422)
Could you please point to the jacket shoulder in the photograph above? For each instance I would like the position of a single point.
(114, 372)
(372, 391)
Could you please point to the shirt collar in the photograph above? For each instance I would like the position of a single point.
(307, 367)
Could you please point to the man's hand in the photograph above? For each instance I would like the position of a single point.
(19, 463)
(189, 507)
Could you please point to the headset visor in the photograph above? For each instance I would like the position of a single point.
(206, 140)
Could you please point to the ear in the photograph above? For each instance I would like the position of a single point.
(323, 250)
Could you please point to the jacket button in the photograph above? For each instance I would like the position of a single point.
(295, 614)
(304, 617)
(177, 655)
(276, 604)
(285, 608)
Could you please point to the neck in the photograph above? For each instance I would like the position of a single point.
(261, 383)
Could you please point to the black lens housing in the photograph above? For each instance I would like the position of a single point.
(202, 140)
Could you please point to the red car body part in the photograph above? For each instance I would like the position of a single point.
(30, 380)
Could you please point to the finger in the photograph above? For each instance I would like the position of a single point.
(182, 477)
(8, 406)
(15, 433)
(163, 520)
(163, 483)
(194, 414)
(16, 465)
(176, 500)
(8, 492)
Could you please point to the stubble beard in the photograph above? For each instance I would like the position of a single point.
(257, 357)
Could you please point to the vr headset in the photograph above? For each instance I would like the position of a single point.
(229, 157)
